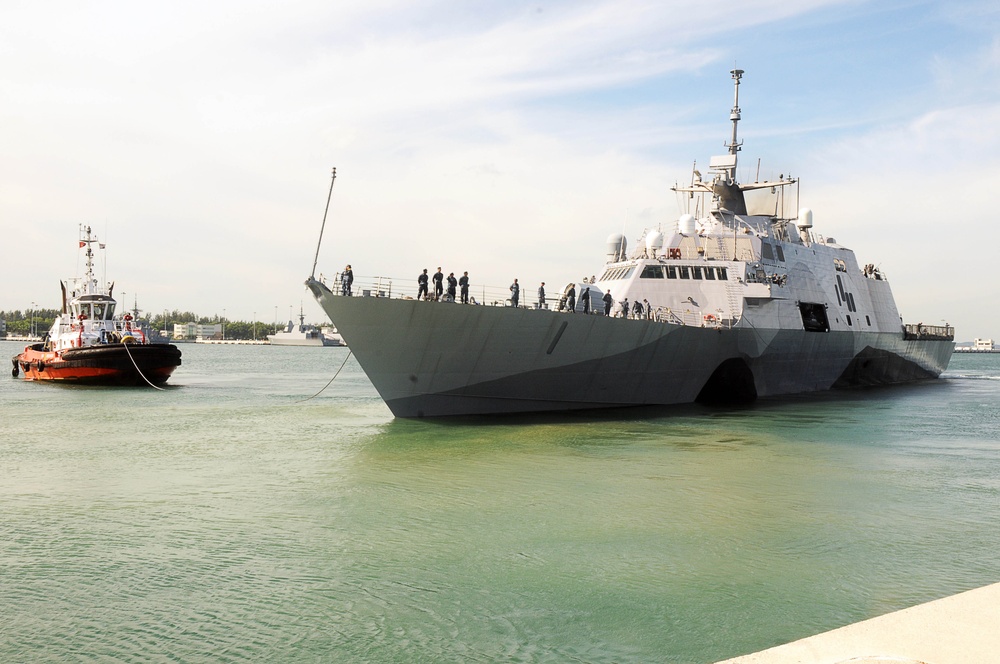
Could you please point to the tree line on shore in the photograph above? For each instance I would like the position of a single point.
(38, 321)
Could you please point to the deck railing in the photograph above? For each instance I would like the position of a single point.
(494, 296)
(931, 332)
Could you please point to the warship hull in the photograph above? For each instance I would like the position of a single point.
(433, 359)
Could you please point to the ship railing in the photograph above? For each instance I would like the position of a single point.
(479, 294)
(377, 286)
(928, 332)
(694, 318)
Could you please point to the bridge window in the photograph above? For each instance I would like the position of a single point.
(685, 272)
(710, 273)
(652, 272)
(723, 274)
(697, 271)
(671, 272)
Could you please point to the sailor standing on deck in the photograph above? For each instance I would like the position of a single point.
(608, 301)
(515, 293)
(571, 299)
(422, 283)
(438, 284)
(463, 284)
(585, 299)
(541, 296)
(452, 285)
(346, 279)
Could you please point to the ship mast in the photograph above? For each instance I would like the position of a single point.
(91, 281)
(734, 145)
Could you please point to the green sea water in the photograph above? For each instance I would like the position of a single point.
(228, 520)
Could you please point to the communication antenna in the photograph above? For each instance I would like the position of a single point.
(323, 226)
(734, 115)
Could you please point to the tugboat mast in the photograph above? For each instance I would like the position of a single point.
(91, 282)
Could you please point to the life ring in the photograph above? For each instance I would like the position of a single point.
(128, 339)
(709, 318)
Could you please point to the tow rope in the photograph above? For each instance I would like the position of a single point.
(138, 370)
(347, 357)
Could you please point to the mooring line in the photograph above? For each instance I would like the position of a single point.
(342, 364)
(129, 353)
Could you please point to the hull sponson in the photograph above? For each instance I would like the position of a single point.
(431, 359)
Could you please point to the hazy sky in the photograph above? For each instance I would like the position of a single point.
(508, 139)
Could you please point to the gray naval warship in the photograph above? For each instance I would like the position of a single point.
(739, 300)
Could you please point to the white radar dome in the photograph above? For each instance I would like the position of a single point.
(686, 224)
(616, 247)
(654, 242)
(805, 218)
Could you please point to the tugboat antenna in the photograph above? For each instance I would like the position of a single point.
(323, 226)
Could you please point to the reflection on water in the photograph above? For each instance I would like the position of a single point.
(226, 519)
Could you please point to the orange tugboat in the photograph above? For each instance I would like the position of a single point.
(88, 344)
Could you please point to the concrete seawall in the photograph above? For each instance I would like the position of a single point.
(961, 629)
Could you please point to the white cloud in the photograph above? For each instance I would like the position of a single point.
(201, 136)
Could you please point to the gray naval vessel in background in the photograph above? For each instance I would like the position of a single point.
(740, 300)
